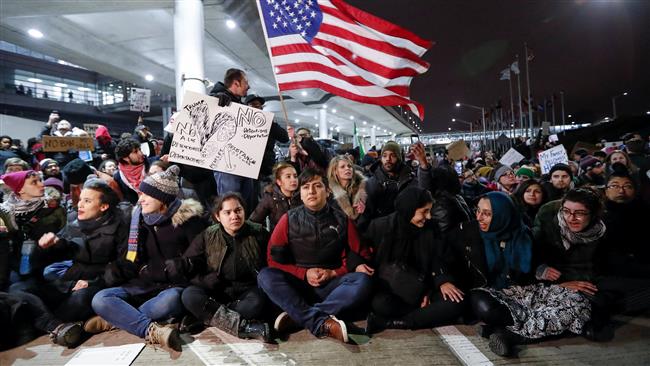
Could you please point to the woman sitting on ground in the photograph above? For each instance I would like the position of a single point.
(407, 253)
(529, 198)
(222, 264)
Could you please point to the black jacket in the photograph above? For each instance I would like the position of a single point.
(274, 204)
(626, 251)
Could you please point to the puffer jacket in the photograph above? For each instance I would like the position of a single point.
(273, 205)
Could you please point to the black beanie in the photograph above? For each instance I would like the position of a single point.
(76, 171)
(561, 166)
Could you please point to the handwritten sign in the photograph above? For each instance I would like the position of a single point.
(458, 150)
(550, 157)
(139, 99)
(511, 157)
(227, 139)
(56, 143)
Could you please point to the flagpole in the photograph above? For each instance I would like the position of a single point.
(553, 108)
(530, 111)
(521, 112)
(562, 102)
(512, 106)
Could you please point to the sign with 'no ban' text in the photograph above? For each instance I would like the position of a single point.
(228, 139)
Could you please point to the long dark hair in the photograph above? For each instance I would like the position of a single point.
(518, 195)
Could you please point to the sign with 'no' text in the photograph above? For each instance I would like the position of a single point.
(228, 139)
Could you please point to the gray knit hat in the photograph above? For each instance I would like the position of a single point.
(394, 147)
(162, 186)
(502, 170)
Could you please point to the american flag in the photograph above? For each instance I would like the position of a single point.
(340, 49)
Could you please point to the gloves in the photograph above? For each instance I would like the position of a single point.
(224, 100)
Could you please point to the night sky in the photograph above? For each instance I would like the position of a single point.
(592, 50)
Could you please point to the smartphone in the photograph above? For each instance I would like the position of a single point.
(415, 138)
(458, 167)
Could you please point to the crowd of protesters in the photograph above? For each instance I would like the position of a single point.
(124, 239)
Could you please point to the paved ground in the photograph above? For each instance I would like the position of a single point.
(441, 346)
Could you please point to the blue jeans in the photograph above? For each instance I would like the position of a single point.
(293, 295)
(111, 304)
(234, 183)
(56, 270)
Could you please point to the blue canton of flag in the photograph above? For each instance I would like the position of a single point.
(286, 17)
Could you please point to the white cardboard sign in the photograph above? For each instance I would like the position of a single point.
(139, 100)
(511, 157)
(552, 156)
(227, 139)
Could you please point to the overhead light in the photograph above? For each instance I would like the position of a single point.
(324, 106)
(453, 119)
(449, 128)
(148, 77)
(365, 123)
(333, 110)
(83, 89)
(35, 33)
(352, 118)
(34, 80)
(119, 95)
(62, 85)
(231, 24)
(304, 93)
(569, 116)
(457, 104)
(623, 93)
(647, 112)
(317, 125)
(297, 120)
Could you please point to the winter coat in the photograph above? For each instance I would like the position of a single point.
(274, 204)
(342, 197)
(551, 192)
(576, 264)
(156, 244)
(472, 191)
(92, 250)
(219, 262)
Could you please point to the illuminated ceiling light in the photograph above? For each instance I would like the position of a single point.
(83, 89)
(352, 118)
(317, 125)
(35, 33)
(324, 106)
(297, 120)
(34, 80)
(365, 123)
(61, 85)
(333, 110)
(457, 104)
(625, 93)
(148, 77)
(231, 24)
(304, 93)
(569, 116)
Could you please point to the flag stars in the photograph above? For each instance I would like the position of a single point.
(313, 14)
(284, 24)
(303, 33)
(299, 27)
(275, 26)
(276, 7)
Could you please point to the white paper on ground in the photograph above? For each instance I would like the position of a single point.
(105, 356)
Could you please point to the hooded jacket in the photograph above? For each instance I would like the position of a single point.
(104, 144)
(274, 204)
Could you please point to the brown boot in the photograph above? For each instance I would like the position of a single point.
(334, 328)
(96, 325)
(164, 336)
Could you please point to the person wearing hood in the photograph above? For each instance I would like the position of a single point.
(24, 218)
(593, 172)
(283, 196)
(529, 198)
(104, 146)
(389, 177)
(348, 186)
(560, 181)
(407, 253)
(92, 241)
(162, 228)
(232, 90)
(472, 189)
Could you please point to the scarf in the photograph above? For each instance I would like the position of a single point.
(20, 211)
(149, 219)
(591, 234)
(132, 175)
(507, 242)
(88, 226)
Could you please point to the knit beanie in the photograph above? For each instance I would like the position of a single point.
(54, 182)
(162, 186)
(525, 171)
(16, 180)
(76, 171)
(589, 162)
(502, 170)
(394, 147)
(45, 163)
(561, 166)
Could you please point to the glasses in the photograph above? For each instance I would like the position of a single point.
(625, 187)
(509, 173)
(578, 214)
(484, 213)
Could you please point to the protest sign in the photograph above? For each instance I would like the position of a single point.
(550, 157)
(546, 128)
(228, 139)
(56, 143)
(139, 99)
(511, 157)
(458, 150)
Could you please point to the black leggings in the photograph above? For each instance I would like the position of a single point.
(438, 312)
(489, 310)
(250, 304)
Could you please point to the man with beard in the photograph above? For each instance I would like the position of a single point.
(560, 182)
(132, 169)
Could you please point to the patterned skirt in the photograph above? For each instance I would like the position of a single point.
(541, 310)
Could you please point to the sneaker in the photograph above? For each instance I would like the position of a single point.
(96, 325)
(67, 334)
(284, 323)
(334, 328)
(164, 336)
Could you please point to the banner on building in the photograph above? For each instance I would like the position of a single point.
(139, 100)
(228, 139)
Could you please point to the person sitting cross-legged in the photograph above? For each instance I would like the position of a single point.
(317, 265)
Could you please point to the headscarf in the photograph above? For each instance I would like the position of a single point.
(508, 228)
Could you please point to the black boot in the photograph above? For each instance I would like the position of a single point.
(254, 330)
(503, 342)
(376, 324)
(190, 324)
(596, 333)
(484, 330)
(67, 334)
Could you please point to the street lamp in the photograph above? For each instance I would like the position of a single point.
(471, 125)
(614, 103)
(458, 104)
